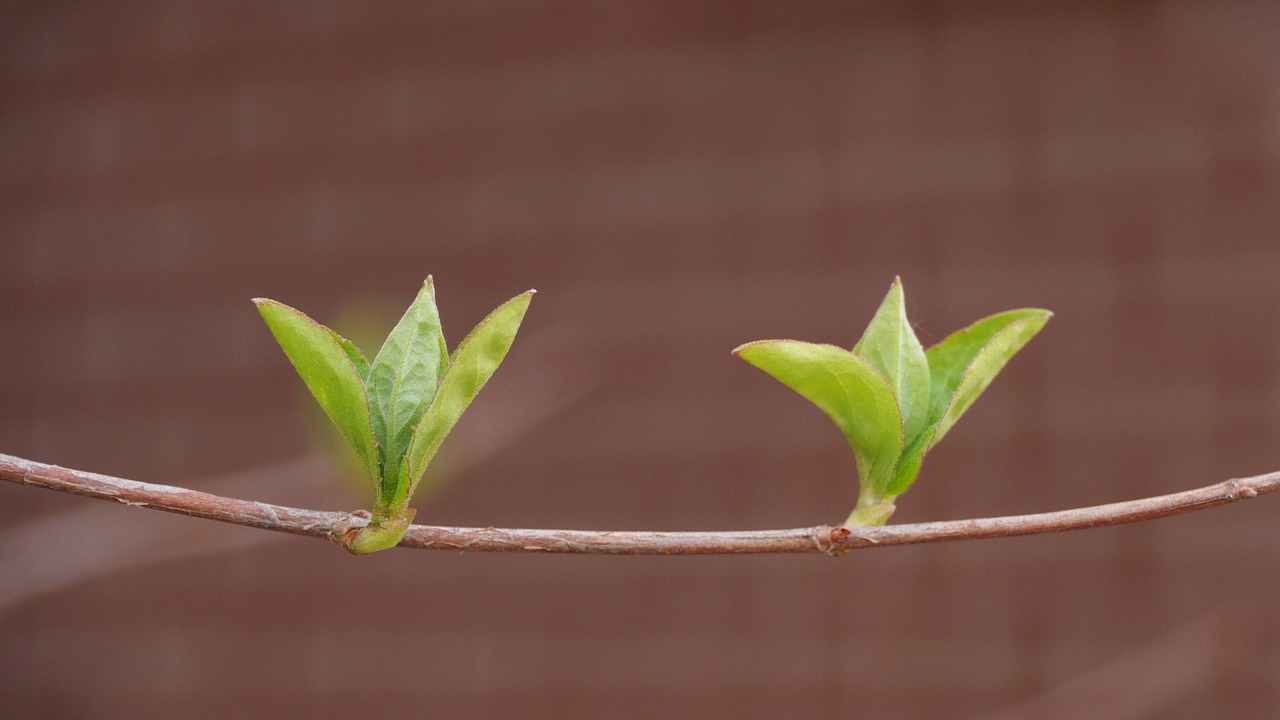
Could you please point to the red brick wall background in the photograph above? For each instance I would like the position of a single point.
(675, 178)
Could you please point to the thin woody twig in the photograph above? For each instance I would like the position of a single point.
(819, 539)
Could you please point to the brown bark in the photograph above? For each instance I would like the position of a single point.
(818, 539)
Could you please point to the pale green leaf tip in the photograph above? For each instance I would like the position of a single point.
(526, 295)
(264, 303)
(895, 287)
(744, 347)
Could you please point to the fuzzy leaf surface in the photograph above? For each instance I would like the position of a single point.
(849, 390)
(891, 346)
(329, 374)
(474, 361)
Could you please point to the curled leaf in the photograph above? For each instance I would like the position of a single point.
(849, 390)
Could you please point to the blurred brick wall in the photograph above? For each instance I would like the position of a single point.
(675, 178)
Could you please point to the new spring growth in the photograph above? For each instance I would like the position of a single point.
(396, 410)
(894, 400)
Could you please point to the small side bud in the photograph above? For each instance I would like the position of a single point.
(381, 535)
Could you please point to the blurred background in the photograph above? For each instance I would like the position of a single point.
(675, 178)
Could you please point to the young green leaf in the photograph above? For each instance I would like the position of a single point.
(329, 374)
(964, 364)
(904, 475)
(849, 390)
(893, 400)
(402, 380)
(891, 346)
(950, 358)
(473, 363)
(353, 354)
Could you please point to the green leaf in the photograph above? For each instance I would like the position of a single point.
(904, 475)
(402, 381)
(353, 354)
(473, 363)
(965, 363)
(850, 391)
(329, 374)
(949, 359)
(891, 346)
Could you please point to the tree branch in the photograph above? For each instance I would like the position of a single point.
(818, 539)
